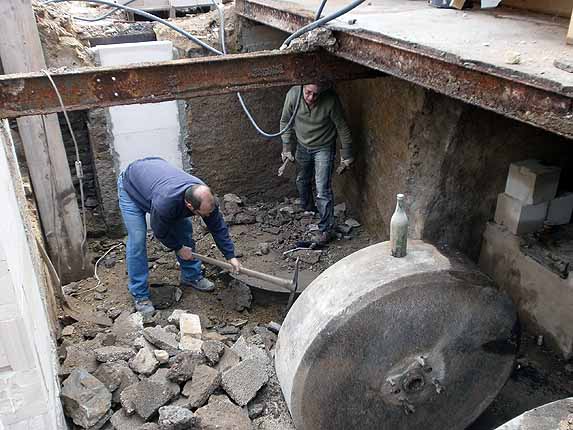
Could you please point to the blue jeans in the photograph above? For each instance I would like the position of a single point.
(317, 162)
(136, 253)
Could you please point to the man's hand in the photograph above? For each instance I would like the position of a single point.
(287, 155)
(344, 165)
(185, 253)
(236, 265)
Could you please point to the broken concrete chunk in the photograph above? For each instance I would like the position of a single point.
(127, 378)
(121, 421)
(221, 413)
(86, 400)
(183, 366)
(243, 381)
(145, 398)
(109, 375)
(213, 351)
(308, 256)
(106, 354)
(190, 325)
(352, 223)
(175, 316)
(82, 356)
(228, 360)
(232, 198)
(128, 327)
(150, 426)
(340, 210)
(161, 338)
(161, 378)
(237, 296)
(161, 356)
(191, 344)
(204, 382)
(68, 330)
(144, 362)
(175, 418)
(247, 351)
(141, 342)
(274, 327)
(255, 410)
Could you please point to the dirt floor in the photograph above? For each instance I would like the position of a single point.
(540, 376)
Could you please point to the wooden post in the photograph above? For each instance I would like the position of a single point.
(570, 32)
(21, 51)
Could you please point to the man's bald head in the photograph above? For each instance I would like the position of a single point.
(200, 199)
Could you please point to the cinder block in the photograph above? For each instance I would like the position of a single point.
(560, 209)
(190, 325)
(519, 218)
(532, 182)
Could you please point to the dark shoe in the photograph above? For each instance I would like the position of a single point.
(202, 284)
(145, 306)
(324, 237)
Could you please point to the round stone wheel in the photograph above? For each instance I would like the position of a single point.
(376, 342)
(551, 416)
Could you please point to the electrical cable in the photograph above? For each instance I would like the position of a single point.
(317, 23)
(78, 162)
(104, 16)
(322, 21)
(149, 17)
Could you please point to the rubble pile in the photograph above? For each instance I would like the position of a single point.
(144, 375)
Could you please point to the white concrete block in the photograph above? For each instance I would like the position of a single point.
(190, 325)
(146, 117)
(189, 343)
(560, 209)
(150, 4)
(532, 182)
(190, 3)
(130, 53)
(518, 217)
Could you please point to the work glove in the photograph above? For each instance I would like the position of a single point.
(287, 154)
(344, 165)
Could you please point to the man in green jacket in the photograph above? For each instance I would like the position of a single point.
(318, 122)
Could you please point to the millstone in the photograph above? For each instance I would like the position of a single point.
(552, 416)
(377, 342)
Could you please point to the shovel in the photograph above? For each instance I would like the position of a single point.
(289, 285)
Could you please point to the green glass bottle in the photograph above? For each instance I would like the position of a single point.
(399, 229)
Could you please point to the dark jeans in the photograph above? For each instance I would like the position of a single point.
(136, 252)
(317, 162)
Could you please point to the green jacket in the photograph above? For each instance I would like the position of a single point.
(317, 127)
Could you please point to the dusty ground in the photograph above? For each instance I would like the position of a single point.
(539, 376)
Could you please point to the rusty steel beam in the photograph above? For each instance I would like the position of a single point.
(539, 102)
(32, 94)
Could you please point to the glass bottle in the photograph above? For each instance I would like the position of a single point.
(399, 229)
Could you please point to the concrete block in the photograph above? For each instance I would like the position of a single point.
(560, 209)
(191, 344)
(519, 218)
(190, 325)
(543, 299)
(532, 182)
(243, 381)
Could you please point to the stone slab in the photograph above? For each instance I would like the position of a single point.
(243, 381)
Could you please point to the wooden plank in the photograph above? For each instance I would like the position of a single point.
(570, 32)
(87, 88)
(21, 51)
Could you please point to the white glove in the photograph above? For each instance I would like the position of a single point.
(344, 165)
(287, 155)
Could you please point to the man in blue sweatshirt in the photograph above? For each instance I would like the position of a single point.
(171, 196)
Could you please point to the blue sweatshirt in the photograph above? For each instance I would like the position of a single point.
(158, 188)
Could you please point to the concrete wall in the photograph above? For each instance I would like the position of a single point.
(544, 300)
(450, 158)
(226, 151)
(29, 390)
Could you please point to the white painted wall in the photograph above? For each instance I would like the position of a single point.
(29, 388)
(147, 129)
